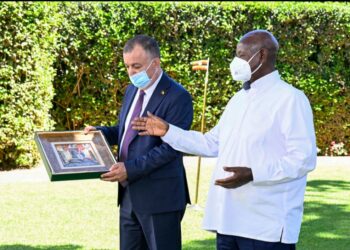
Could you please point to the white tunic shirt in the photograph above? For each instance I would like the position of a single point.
(268, 128)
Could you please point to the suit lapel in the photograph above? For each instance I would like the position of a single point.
(128, 101)
(158, 95)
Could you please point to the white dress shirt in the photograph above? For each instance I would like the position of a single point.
(146, 98)
(268, 128)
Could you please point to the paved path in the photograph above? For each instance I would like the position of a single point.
(39, 174)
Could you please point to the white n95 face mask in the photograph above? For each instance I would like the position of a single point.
(240, 69)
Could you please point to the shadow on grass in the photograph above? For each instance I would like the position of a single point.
(207, 244)
(26, 247)
(327, 185)
(326, 222)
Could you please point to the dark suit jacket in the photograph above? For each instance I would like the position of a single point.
(156, 175)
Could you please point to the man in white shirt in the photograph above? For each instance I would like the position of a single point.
(265, 144)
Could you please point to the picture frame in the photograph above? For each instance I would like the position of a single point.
(72, 155)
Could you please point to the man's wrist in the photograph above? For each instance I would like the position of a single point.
(167, 131)
(250, 175)
(166, 128)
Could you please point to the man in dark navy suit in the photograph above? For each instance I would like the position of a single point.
(153, 190)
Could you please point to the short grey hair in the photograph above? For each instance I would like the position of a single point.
(148, 43)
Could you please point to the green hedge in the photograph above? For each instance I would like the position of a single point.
(27, 40)
(90, 76)
(314, 56)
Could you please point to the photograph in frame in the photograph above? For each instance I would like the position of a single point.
(77, 154)
(72, 155)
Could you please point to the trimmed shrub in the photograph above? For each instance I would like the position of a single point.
(90, 76)
(27, 40)
(314, 56)
(76, 47)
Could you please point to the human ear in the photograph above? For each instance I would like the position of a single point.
(264, 55)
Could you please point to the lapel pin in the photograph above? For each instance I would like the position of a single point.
(163, 92)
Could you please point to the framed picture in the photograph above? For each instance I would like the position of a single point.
(72, 155)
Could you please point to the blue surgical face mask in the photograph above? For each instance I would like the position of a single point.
(141, 79)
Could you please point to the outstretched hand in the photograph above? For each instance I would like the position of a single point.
(151, 125)
(240, 177)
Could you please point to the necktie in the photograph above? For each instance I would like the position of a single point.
(130, 133)
(246, 85)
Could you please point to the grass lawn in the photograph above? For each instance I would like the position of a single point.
(83, 214)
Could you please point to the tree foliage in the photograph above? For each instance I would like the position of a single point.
(314, 56)
(77, 48)
(27, 47)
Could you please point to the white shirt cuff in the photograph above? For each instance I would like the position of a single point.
(170, 136)
(258, 174)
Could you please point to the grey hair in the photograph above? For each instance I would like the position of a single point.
(148, 43)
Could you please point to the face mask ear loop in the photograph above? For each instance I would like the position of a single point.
(154, 72)
(254, 55)
(149, 65)
(252, 58)
(257, 68)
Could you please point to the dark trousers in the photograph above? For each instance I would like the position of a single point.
(230, 242)
(140, 231)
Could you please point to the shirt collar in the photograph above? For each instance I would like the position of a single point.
(265, 81)
(150, 90)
